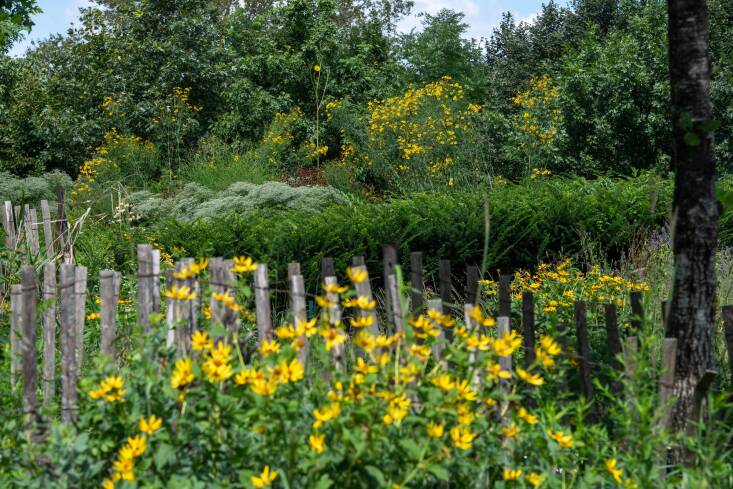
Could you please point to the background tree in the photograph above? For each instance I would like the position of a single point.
(695, 208)
(15, 17)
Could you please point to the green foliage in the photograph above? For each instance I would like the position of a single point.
(544, 218)
(15, 17)
(31, 190)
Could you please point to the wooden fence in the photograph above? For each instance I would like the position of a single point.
(65, 300)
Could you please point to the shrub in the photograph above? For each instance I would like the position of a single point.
(31, 190)
(545, 217)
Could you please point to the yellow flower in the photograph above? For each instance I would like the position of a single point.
(462, 437)
(137, 445)
(200, 341)
(465, 391)
(307, 328)
(562, 439)
(511, 474)
(534, 479)
(183, 293)
(530, 378)
(264, 387)
(507, 344)
(435, 430)
(317, 68)
(111, 389)
(183, 373)
(150, 425)
(317, 442)
(526, 416)
(420, 351)
(264, 479)
(495, 372)
(444, 382)
(510, 431)
(108, 484)
(334, 288)
(333, 337)
(364, 368)
(326, 413)
(550, 345)
(365, 341)
(244, 264)
(613, 470)
(269, 347)
(362, 322)
(365, 303)
(92, 316)
(356, 275)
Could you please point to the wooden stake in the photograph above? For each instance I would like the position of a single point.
(444, 278)
(327, 268)
(108, 305)
(144, 292)
(473, 275)
(666, 381)
(49, 334)
(728, 323)
(334, 319)
(612, 335)
(30, 365)
(9, 225)
(297, 299)
(364, 289)
(262, 304)
(505, 295)
(528, 326)
(47, 230)
(358, 261)
(394, 294)
(80, 291)
(503, 329)
(417, 291)
(581, 332)
(16, 331)
(68, 343)
(439, 345)
(637, 312)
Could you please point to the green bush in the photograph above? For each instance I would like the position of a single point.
(30, 190)
(531, 222)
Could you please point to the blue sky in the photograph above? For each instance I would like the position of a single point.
(481, 15)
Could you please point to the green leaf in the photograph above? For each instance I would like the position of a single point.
(685, 120)
(413, 449)
(218, 331)
(164, 455)
(692, 139)
(710, 125)
(324, 482)
(439, 472)
(376, 475)
(80, 444)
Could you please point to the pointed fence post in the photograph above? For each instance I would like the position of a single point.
(364, 289)
(445, 282)
(397, 314)
(262, 304)
(327, 268)
(637, 312)
(16, 331)
(334, 319)
(68, 342)
(11, 237)
(47, 230)
(109, 294)
(505, 295)
(581, 332)
(144, 285)
(438, 347)
(49, 334)
(417, 291)
(29, 354)
(80, 291)
(297, 299)
(473, 275)
(528, 327)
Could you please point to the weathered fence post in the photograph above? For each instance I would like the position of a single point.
(30, 365)
(503, 329)
(473, 291)
(666, 381)
(108, 295)
(631, 349)
(389, 261)
(581, 331)
(417, 290)
(505, 295)
(528, 327)
(445, 282)
(327, 268)
(297, 299)
(62, 227)
(9, 225)
(80, 291)
(358, 261)
(47, 230)
(394, 293)
(262, 304)
(68, 342)
(334, 319)
(637, 312)
(31, 229)
(144, 285)
(16, 325)
(364, 289)
(612, 335)
(472, 327)
(439, 345)
(49, 334)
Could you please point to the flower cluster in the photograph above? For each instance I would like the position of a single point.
(111, 389)
(123, 468)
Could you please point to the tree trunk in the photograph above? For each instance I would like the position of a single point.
(692, 312)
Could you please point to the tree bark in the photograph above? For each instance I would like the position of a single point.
(695, 218)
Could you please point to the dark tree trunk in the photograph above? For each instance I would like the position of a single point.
(692, 311)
